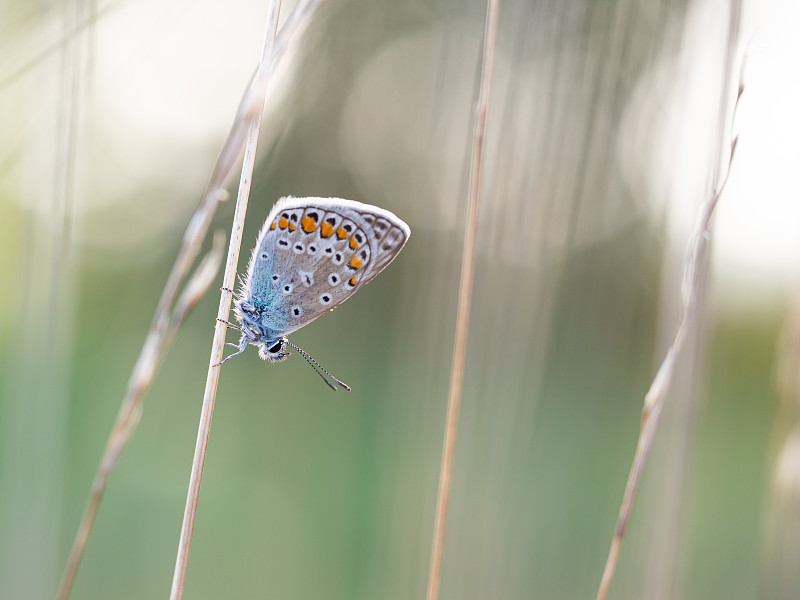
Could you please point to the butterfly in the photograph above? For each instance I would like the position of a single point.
(312, 254)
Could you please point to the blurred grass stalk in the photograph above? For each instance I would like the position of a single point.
(167, 320)
(34, 423)
(782, 545)
(265, 69)
(162, 333)
(169, 315)
(694, 275)
(465, 289)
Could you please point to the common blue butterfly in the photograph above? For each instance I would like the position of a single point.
(312, 254)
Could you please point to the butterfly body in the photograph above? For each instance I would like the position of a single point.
(312, 254)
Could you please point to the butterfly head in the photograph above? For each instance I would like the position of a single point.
(274, 351)
(270, 347)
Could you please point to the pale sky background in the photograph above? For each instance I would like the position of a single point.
(757, 229)
(136, 97)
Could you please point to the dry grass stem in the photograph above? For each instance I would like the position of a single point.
(782, 540)
(212, 378)
(168, 316)
(162, 333)
(694, 267)
(204, 275)
(165, 324)
(464, 301)
(252, 102)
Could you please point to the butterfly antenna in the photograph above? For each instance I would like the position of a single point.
(318, 368)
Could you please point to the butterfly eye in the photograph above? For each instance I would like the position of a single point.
(275, 352)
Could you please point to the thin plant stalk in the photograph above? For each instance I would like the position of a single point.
(781, 578)
(656, 395)
(694, 268)
(163, 328)
(159, 339)
(168, 317)
(218, 344)
(464, 301)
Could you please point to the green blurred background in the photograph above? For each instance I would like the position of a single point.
(603, 135)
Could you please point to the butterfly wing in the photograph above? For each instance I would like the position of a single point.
(312, 254)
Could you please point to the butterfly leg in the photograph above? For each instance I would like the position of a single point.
(231, 325)
(234, 294)
(242, 345)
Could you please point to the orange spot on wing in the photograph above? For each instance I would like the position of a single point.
(282, 223)
(353, 281)
(273, 225)
(292, 226)
(341, 233)
(353, 243)
(308, 224)
(355, 263)
(326, 230)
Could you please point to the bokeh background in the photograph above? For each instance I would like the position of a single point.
(608, 123)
